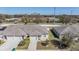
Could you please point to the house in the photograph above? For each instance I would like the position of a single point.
(71, 30)
(74, 20)
(57, 31)
(13, 20)
(53, 19)
(14, 34)
(39, 32)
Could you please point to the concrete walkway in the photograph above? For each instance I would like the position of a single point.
(33, 44)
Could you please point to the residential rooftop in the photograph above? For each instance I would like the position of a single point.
(19, 30)
(73, 30)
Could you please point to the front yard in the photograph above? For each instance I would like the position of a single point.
(48, 45)
(53, 44)
(1, 42)
(23, 44)
(50, 36)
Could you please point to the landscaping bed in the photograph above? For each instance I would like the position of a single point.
(23, 44)
(1, 42)
(48, 46)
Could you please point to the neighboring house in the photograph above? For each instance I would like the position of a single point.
(74, 20)
(13, 20)
(58, 30)
(2, 28)
(53, 19)
(71, 30)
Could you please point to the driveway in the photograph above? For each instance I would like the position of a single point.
(33, 44)
(12, 42)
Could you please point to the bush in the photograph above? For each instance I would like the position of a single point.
(55, 42)
(1, 42)
(24, 44)
(58, 44)
(45, 43)
(67, 39)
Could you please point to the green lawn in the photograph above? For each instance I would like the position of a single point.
(50, 35)
(1, 42)
(23, 44)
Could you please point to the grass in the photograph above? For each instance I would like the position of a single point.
(50, 35)
(1, 42)
(23, 44)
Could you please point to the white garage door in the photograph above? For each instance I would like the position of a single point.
(12, 42)
(33, 43)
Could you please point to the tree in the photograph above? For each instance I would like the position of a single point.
(65, 19)
(25, 20)
(61, 19)
(67, 39)
(37, 19)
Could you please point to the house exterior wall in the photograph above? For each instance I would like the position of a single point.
(19, 37)
(43, 37)
(2, 38)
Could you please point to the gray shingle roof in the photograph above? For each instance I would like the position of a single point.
(13, 31)
(19, 30)
(60, 29)
(34, 29)
(73, 30)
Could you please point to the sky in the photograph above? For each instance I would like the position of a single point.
(41, 10)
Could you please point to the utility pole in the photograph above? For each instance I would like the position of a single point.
(54, 11)
(71, 16)
(54, 14)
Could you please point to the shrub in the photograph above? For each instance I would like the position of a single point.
(45, 43)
